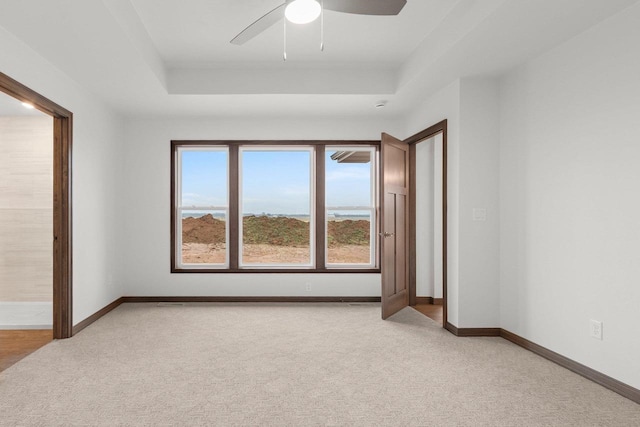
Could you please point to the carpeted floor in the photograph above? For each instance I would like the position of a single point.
(294, 364)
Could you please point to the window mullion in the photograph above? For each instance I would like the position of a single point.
(320, 213)
(234, 215)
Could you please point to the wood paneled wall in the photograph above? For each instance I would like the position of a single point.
(26, 208)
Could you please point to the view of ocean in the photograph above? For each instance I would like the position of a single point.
(222, 216)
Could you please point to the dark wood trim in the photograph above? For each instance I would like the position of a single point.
(423, 300)
(412, 261)
(428, 300)
(23, 93)
(472, 332)
(320, 231)
(450, 327)
(172, 204)
(62, 212)
(606, 381)
(319, 150)
(377, 240)
(427, 133)
(62, 234)
(271, 299)
(278, 270)
(478, 332)
(95, 316)
(445, 220)
(233, 245)
(296, 142)
(440, 127)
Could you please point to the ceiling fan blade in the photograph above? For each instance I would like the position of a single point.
(366, 7)
(260, 25)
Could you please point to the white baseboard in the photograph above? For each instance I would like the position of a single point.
(26, 315)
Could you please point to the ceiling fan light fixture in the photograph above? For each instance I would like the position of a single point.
(302, 11)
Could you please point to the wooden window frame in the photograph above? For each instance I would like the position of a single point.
(233, 225)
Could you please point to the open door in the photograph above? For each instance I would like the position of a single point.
(394, 224)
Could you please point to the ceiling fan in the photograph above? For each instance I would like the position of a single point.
(305, 11)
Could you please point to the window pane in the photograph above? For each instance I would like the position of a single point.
(349, 237)
(204, 184)
(204, 178)
(348, 177)
(204, 237)
(276, 202)
(349, 187)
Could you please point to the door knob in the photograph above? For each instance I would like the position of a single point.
(386, 234)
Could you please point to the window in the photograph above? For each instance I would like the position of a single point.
(350, 208)
(278, 206)
(203, 207)
(277, 218)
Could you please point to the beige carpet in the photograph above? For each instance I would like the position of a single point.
(294, 364)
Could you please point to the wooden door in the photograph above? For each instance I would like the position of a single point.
(394, 224)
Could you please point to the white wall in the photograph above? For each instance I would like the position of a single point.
(429, 217)
(424, 218)
(570, 181)
(479, 290)
(470, 106)
(96, 171)
(146, 191)
(445, 104)
(437, 218)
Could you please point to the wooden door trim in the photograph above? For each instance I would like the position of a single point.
(438, 128)
(62, 220)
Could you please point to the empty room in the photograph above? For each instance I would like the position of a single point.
(319, 212)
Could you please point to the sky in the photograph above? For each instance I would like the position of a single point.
(274, 182)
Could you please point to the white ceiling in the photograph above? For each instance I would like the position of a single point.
(173, 57)
(11, 107)
(198, 32)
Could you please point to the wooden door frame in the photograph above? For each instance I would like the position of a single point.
(62, 224)
(438, 128)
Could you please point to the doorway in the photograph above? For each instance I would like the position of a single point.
(399, 225)
(61, 272)
(428, 222)
(26, 229)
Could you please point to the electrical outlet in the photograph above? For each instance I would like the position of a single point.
(596, 329)
(307, 287)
